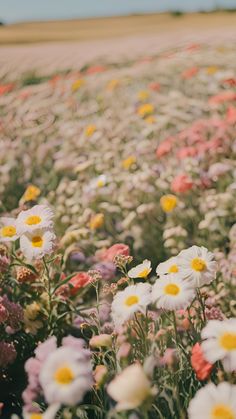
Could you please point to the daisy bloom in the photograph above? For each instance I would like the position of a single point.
(170, 266)
(198, 265)
(8, 229)
(37, 244)
(99, 182)
(50, 413)
(168, 202)
(132, 299)
(66, 376)
(172, 293)
(141, 271)
(220, 342)
(214, 402)
(130, 388)
(40, 216)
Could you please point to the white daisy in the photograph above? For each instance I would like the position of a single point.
(197, 264)
(214, 402)
(8, 229)
(220, 342)
(99, 182)
(50, 413)
(172, 293)
(66, 376)
(127, 302)
(40, 216)
(168, 267)
(141, 271)
(37, 244)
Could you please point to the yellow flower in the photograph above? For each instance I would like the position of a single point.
(212, 70)
(32, 310)
(90, 130)
(168, 202)
(127, 163)
(31, 193)
(113, 84)
(143, 95)
(77, 85)
(150, 119)
(96, 221)
(146, 109)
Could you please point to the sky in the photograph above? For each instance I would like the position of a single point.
(21, 10)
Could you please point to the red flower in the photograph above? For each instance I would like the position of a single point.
(181, 184)
(201, 367)
(80, 280)
(6, 88)
(164, 148)
(154, 86)
(96, 69)
(117, 249)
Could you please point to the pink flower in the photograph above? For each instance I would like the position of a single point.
(80, 280)
(231, 115)
(189, 73)
(117, 249)
(124, 350)
(3, 313)
(201, 367)
(181, 184)
(222, 97)
(169, 357)
(187, 152)
(164, 148)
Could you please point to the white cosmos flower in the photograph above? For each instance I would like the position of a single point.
(172, 293)
(197, 264)
(169, 266)
(8, 229)
(66, 376)
(141, 271)
(127, 302)
(130, 388)
(220, 342)
(50, 413)
(214, 402)
(37, 244)
(40, 216)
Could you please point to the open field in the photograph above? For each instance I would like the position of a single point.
(103, 28)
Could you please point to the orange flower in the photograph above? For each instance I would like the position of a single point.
(189, 73)
(201, 367)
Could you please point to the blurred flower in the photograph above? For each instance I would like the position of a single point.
(168, 202)
(80, 280)
(7, 354)
(77, 85)
(127, 163)
(106, 269)
(96, 221)
(109, 254)
(90, 130)
(31, 194)
(146, 109)
(101, 341)
(200, 365)
(130, 388)
(181, 184)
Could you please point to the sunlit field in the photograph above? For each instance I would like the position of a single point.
(118, 235)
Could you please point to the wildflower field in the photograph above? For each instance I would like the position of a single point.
(118, 238)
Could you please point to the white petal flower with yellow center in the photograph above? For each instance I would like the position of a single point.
(37, 244)
(8, 229)
(141, 271)
(171, 266)
(38, 217)
(66, 376)
(214, 402)
(172, 293)
(50, 413)
(130, 388)
(220, 342)
(132, 299)
(198, 265)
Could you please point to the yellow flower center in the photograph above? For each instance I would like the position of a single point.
(228, 341)
(168, 202)
(64, 375)
(36, 416)
(144, 273)
(221, 411)
(37, 241)
(172, 289)
(131, 300)
(33, 219)
(198, 265)
(100, 183)
(173, 269)
(8, 231)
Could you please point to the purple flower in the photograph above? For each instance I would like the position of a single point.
(15, 313)
(106, 269)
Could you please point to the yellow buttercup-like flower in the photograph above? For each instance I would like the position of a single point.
(113, 84)
(168, 202)
(77, 85)
(150, 119)
(145, 110)
(90, 130)
(96, 221)
(127, 163)
(143, 95)
(212, 70)
(31, 193)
